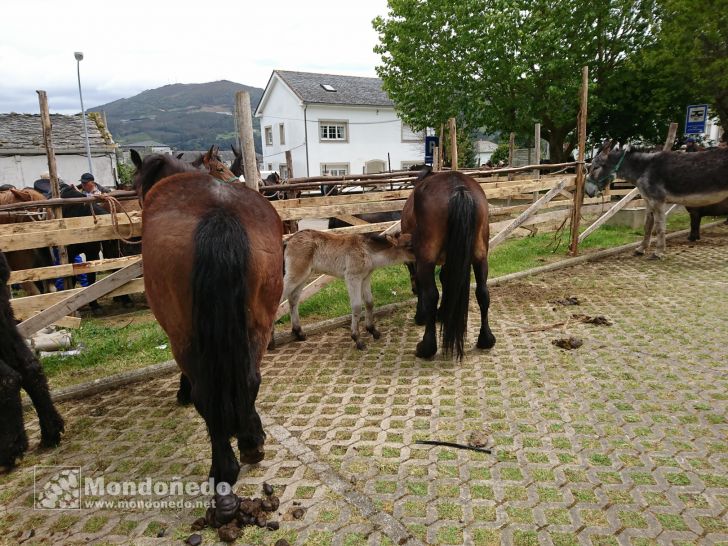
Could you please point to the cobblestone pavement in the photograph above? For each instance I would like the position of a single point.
(621, 441)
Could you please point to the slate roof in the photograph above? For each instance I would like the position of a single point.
(350, 90)
(24, 132)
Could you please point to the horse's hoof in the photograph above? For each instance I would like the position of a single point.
(252, 456)
(425, 350)
(376, 334)
(486, 341)
(655, 256)
(299, 335)
(419, 320)
(361, 345)
(51, 436)
(271, 344)
(638, 252)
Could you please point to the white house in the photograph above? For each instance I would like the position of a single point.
(23, 155)
(333, 125)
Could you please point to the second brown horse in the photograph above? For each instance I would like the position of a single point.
(447, 215)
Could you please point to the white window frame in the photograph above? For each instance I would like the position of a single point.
(268, 132)
(334, 169)
(282, 133)
(343, 125)
(283, 171)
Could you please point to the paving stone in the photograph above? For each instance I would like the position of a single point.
(622, 441)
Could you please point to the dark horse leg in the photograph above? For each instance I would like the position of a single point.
(486, 339)
(35, 384)
(13, 441)
(184, 393)
(427, 306)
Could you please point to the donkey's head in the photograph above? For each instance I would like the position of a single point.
(603, 168)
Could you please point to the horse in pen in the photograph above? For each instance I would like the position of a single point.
(352, 257)
(213, 263)
(447, 216)
(694, 180)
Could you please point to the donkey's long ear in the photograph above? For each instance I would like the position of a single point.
(136, 159)
(606, 146)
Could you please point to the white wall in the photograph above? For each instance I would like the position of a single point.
(373, 132)
(23, 170)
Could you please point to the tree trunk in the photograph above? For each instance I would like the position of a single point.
(557, 154)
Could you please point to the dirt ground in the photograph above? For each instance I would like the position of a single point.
(623, 440)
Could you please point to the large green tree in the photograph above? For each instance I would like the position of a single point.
(506, 64)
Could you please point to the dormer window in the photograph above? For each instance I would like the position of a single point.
(329, 88)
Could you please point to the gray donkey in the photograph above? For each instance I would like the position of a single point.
(693, 180)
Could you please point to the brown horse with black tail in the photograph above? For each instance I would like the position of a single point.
(447, 215)
(213, 275)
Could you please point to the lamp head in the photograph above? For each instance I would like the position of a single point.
(78, 55)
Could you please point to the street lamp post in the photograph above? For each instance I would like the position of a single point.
(79, 57)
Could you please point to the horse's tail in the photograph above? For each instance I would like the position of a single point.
(224, 376)
(461, 221)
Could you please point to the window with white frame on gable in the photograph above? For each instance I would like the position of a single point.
(333, 131)
(334, 169)
(283, 170)
(269, 136)
(282, 133)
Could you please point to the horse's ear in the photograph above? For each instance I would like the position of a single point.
(606, 146)
(236, 151)
(136, 159)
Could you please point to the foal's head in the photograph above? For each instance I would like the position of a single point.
(392, 249)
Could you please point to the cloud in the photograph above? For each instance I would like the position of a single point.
(144, 45)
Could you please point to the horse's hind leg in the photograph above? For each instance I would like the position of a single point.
(486, 339)
(427, 306)
(13, 441)
(369, 307)
(354, 286)
(293, 299)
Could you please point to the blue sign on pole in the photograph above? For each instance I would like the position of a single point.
(695, 119)
(430, 143)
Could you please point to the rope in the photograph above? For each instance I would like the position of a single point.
(114, 207)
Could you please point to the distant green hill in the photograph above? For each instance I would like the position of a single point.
(184, 116)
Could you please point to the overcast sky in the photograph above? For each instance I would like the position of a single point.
(132, 45)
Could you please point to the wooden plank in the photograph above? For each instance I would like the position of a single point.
(34, 239)
(68, 322)
(335, 210)
(68, 270)
(366, 197)
(26, 307)
(607, 215)
(526, 214)
(83, 222)
(353, 220)
(84, 296)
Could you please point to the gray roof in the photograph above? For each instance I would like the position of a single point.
(145, 144)
(350, 90)
(24, 133)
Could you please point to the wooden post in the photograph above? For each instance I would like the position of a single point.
(245, 124)
(436, 158)
(579, 193)
(537, 159)
(45, 121)
(442, 146)
(289, 163)
(670, 140)
(453, 144)
(291, 225)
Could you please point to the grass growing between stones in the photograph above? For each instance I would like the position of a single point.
(113, 345)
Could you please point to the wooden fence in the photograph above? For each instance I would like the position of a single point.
(526, 203)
